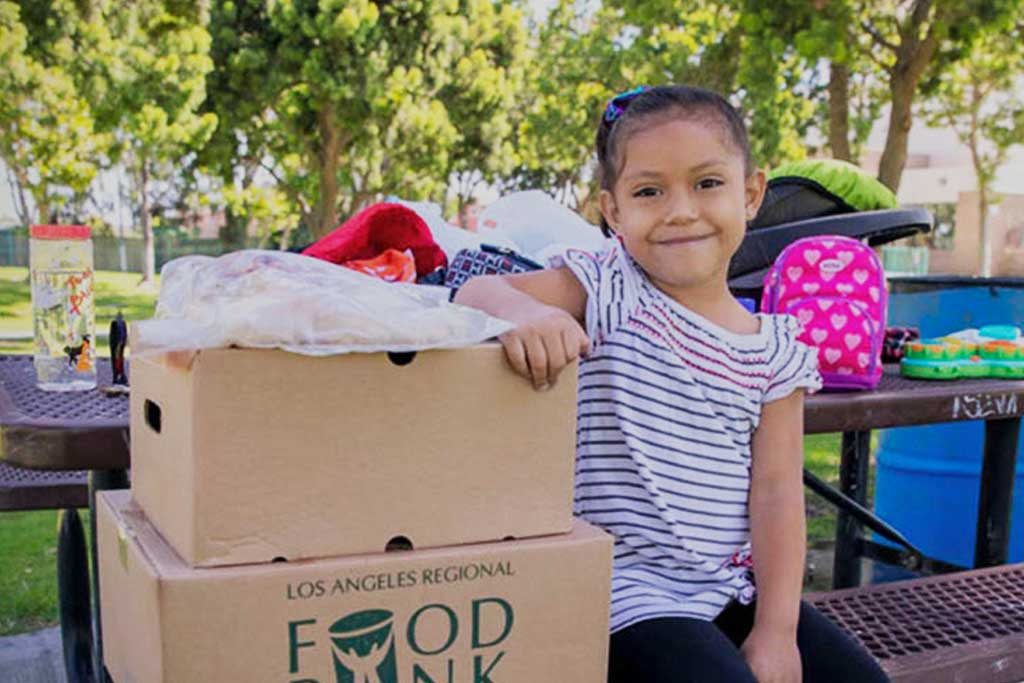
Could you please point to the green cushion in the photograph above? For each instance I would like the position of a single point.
(860, 190)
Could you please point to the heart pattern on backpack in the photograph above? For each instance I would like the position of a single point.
(835, 287)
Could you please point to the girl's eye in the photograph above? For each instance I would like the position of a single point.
(646, 192)
(708, 183)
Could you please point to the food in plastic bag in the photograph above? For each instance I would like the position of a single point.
(272, 299)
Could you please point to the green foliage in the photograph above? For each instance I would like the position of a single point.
(266, 209)
(575, 68)
(290, 113)
(979, 98)
(355, 99)
(48, 136)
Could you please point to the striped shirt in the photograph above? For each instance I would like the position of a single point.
(668, 404)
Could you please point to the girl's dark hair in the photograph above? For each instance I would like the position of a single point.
(628, 115)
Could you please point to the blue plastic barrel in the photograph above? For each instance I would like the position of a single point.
(928, 477)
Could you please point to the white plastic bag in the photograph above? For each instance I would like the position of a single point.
(273, 299)
(539, 226)
(530, 223)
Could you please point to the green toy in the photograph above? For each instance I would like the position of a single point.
(992, 351)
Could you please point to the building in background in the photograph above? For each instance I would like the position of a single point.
(939, 176)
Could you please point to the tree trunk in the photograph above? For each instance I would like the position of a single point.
(286, 237)
(326, 212)
(982, 178)
(894, 156)
(463, 211)
(19, 179)
(912, 57)
(148, 245)
(236, 228)
(839, 112)
(986, 242)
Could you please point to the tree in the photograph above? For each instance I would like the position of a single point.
(878, 51)
(914, 41)
(163, 50)
(48, 139)
(732, 47)
(140, 67)
(585, 57)
(575, 69)
(359, 98)
(979, 98)
(481, 96)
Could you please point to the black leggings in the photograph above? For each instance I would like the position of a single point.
(683, 650)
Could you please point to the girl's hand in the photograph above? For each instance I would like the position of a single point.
(540, 346)
(772, 656)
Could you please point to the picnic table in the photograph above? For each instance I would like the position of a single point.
(62, 432)
(89, 431)
(902, 402)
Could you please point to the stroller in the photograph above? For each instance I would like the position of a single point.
(796, 207)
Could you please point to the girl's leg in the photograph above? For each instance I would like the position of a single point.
(675, 650)
(827, 654)
(830, 655)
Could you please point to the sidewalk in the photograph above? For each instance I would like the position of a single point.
(32, 657)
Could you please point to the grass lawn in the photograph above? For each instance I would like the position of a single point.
(28, 569)
(28, 540)
(114, 292)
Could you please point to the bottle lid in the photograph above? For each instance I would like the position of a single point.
(60, 232)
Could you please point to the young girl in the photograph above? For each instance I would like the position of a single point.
(690, 422)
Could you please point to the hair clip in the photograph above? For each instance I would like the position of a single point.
(617, 105)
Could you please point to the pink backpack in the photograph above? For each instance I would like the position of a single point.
(835, 287)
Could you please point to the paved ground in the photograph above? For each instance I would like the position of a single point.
(32, 658)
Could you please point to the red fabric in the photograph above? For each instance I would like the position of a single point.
(391, 266)
(59, 232)
(376, 229)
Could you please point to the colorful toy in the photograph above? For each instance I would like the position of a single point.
(992, 351)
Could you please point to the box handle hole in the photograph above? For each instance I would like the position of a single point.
(398, 544)
(401, 358)
(152, 414)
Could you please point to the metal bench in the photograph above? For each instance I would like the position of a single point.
(22, 489)
(962, 627)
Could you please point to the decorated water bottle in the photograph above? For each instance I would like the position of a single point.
(63, 307)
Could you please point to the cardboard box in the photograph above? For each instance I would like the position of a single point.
(506, 612)
(252, 455)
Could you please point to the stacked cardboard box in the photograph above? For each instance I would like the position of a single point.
(268, 488)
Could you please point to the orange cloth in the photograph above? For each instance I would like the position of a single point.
(391, 265)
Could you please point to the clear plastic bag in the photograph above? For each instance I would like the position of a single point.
(272, 299)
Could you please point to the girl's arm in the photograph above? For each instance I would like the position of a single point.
(546, 307)
(778, 539)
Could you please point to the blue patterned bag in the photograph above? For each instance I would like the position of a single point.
(487, 260)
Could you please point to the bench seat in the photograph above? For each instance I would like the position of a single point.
(964, 627)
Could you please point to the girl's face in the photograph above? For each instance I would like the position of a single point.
(681, 203)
